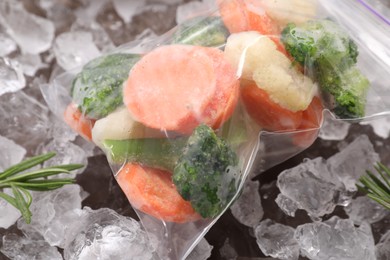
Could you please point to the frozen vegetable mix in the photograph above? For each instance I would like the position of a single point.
(185, 117)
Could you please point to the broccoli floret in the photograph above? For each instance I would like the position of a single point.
(202, 31)
(97, 89)
(205, 173)
(204, 166)
(329, 57)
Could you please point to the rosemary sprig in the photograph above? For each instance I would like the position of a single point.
(376, 188)
(35, 180)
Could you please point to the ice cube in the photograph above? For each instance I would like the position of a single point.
(336, 239)
(66, 153)
(60, 131)
(100, 36)
(353, 161)
(381, 126)
(32, 33)
(383, 247)
(24, 120)
(202, 251)
(247, 208)
(365, 209)
(227, 251)
(74, 49)
(91, 8)
(21, 248)
(59, 12)
(11, 76)
(277, 240)
(308, 187)
(51, 212)
(9, 214)
(104, 234)
(10, 153)
(30, 63)
(333, 129)
(127, 9)
(7, 44)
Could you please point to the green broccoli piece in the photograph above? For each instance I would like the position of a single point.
(204, 166)
(206, 172)
(202, 31)
(329, 57)
(97, 89)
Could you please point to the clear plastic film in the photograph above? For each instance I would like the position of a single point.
(185, 117)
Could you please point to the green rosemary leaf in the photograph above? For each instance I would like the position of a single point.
(9, 199)
(377, 188)
(68, 167)
(43, 185)
(35, 175)
(22, 204)
(26, 164)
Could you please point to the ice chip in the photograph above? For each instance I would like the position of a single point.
(288, 206)
(10, 153)
(247, 208)
(353, 161)
(127, 9)
(74, 49)
(99, 35)
(277, 240)
(11, 76)
(202, 251)
(32, 33)
(104, 234)
(365, 209)
(7, 44)
(227, 251)
(23, 120)
(383, 247)
(333, 129)
(20, 248)
(381, 126)
(51, 212)
(9, 214)
(308, 186)
(66, 153)
(336, 239)
(30, 63)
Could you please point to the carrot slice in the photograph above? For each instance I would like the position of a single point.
(311, 122)
(246, 15)
(178, 87)
(249, 15)
(268, 114)
(76, 120)
(153, 192)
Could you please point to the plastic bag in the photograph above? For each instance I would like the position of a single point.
(185, 117)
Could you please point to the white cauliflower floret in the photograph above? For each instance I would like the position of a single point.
(290, 11)
(256, 58)
(120, 125)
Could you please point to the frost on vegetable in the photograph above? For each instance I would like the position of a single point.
(202, 31)
(206, 172)
(329, 56)
(257, 58)
(97, 89)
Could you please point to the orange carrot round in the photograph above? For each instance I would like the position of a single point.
(311, 122)
(178, 87)
(78, 122)
(249, 15)
(153, 192)
(268, 114)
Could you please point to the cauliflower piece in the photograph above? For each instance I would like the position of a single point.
(256, 58)
(290, 11)
(120, 125)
